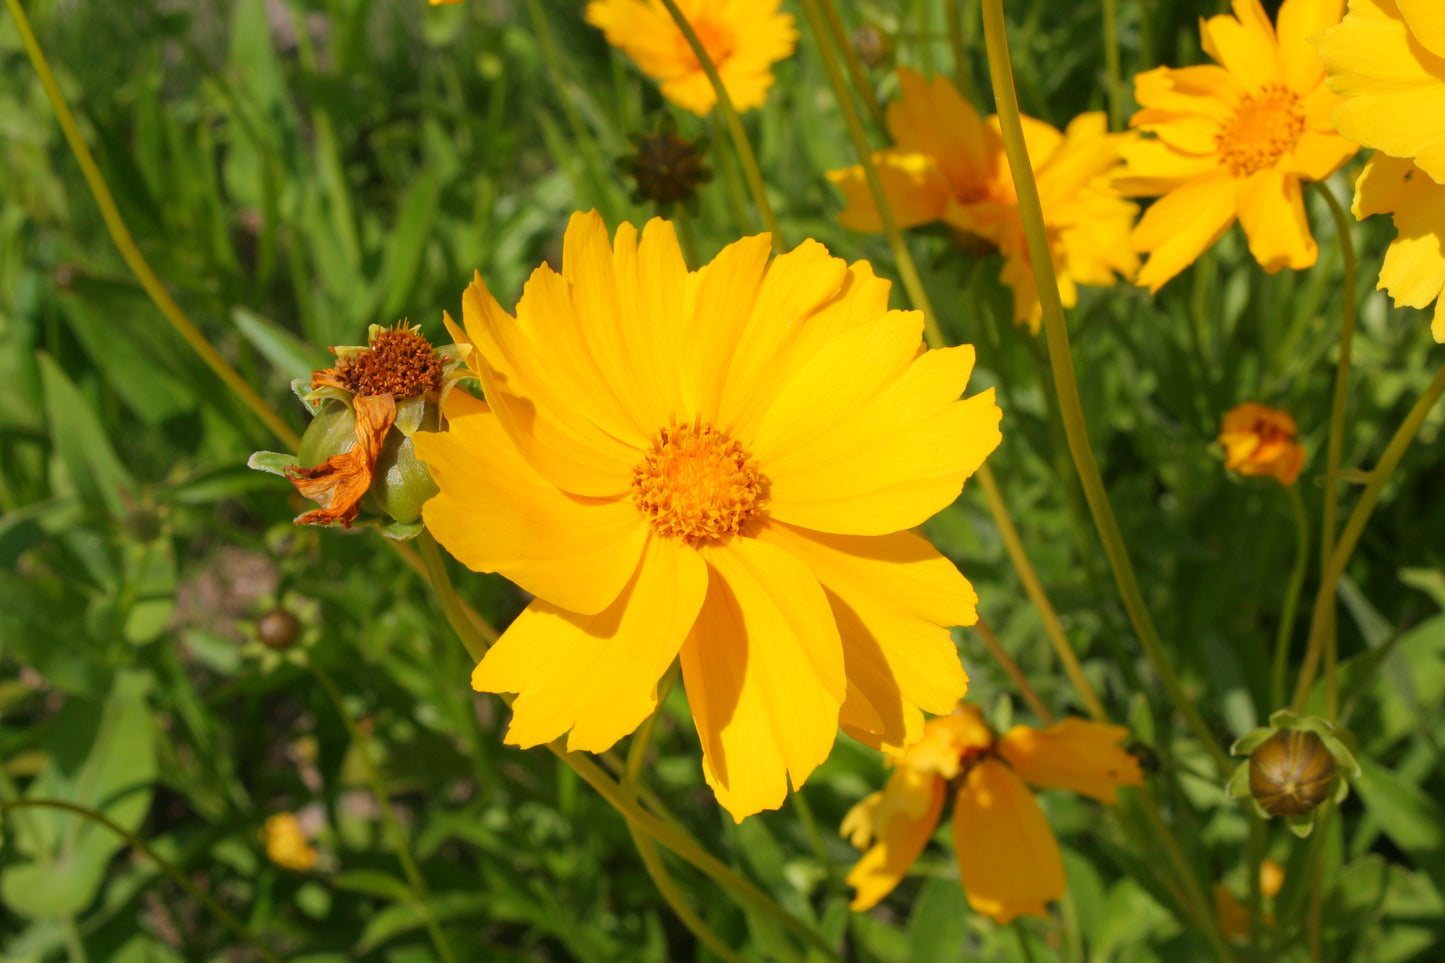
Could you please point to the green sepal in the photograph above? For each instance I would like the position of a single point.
(1238, 784)
(301, 388)
(400, 531)
(274, 462)
(409, 412)
(1251, 741)
(1302, 826)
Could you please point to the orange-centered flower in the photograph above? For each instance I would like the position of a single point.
(1387, 59)
(948, 164)
(1235, 141)
(743, 39)
(1008, 858)
(1259, 440)
(719, 466)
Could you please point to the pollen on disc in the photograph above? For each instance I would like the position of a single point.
(696, 483)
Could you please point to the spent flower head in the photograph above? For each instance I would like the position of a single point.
(717, 466)
(666, 169)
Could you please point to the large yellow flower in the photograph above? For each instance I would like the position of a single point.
(1235, 141)
(1387, 59)
(948, 164)
(1008, 858)
(719, 466)
(743, 38)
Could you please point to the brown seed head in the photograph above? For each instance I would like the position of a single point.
(278, 628)
(398, 362)
(1291, 773)
(668, 169)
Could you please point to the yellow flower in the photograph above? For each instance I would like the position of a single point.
(1235, 141)
(720, 466)
(286, 844)
(1008, 858)
(1259, 440)
(1387, 59)
(948, 164)
(743, 38)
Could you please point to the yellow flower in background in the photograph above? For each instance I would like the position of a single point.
(719, 466)
(1235, 141)
(1259, 440)
(1387, 59)
(948, 164)
(743, 38)
(1008, 858)
(286, 843)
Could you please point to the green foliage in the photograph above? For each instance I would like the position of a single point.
(296, 170)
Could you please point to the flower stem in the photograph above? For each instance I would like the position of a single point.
(734, 123)
(1350, 536)
(121, 235)
(996, 649)
(962, 76)
(228, 918)
(1070, 405)
(1291, 597)
(855, 66)
(416, 883)
(1111, 64)
(451, 603)
(1334, 452)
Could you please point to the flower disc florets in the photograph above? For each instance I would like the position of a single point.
(1264, 127)
(697, 484)
(398, 361)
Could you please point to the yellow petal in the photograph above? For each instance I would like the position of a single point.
(1166, 92)
(913, 183)
(726, 290)
(1077, 755)
(1182, 225)
(903, 818)
(1272, 213)
(496, 513)
(1153, 167)
(763, 668)
(894, 597)
(1299, 20)
(1414, 268)
(932, 118)
(1426, 20)
(897, 460)
(596, 675)
(1243, 44)
(1008, 858)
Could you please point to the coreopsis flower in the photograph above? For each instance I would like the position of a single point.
(1233, 915)
(948, 164)
(1259, 440)
(286, 843)
(357, 452)
(719, 466)
(1008, 858)
(743, 39)
(1235, 140)
(1387, 60)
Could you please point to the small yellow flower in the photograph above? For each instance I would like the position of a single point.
(719, 466)
(1235, 141)
(286, 843)
(743, 39)
(1387, 59)
(1008, 858)
(949, 164)
(1259, 440)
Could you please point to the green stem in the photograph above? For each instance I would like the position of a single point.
(734, 123)
(727, 161)
(121, 235)
(861, 83)
(1024, 948)
(1070, 405)
(446, 593)
(1111, 64)
(682, 220)
(227, 918)
(1012, 670)
(1335, 567)
(415, 881)
(907, 270)
(1334, 452)
(1257, 841)
(1291, 597)
(962, 76)
(1196, 904)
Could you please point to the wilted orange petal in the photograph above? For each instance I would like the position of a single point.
(339, 483)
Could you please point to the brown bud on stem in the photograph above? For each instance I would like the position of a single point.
(1291, 772)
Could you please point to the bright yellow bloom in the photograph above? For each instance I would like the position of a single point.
(286, 844)
(1259, 440)
(1235, 141)
(1008, 858)
(1387, 59)
(743, 38)
(948, 164)
(719, 466)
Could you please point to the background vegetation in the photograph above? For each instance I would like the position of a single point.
(297, 169)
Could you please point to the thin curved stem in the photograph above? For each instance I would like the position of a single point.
(746, 157)
(1291, 597)
(1020, 681)
(121, 235)
(452, 605)
(861, 83)
(1111, 64)
(1335, 451)
(226, 917)
(1070, 405)
(415, 881)
(1354, 527)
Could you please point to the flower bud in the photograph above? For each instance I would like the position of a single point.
(1291, 773)
(278, 628)
(666, 168)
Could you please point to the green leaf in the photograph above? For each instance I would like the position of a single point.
(90, 463)
(935, 927)
(373, 882)
(1413, 821)
(287, 353)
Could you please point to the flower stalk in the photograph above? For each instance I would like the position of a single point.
(1291, 596)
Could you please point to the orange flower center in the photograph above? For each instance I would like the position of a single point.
(696, 483)
(1264, 127)
(717, 39)
(397, 362)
